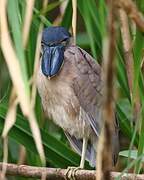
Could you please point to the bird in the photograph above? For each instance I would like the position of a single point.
(70, 84)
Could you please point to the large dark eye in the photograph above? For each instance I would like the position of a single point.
(42, 45)
(41, 50)
(64, 42)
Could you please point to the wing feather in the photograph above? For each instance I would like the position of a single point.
(87, 86)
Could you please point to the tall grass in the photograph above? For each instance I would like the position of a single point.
(20, 28)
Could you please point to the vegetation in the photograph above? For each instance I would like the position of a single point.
(19, 55)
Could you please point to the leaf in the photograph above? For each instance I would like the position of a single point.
(10, 117)
(85, 13)
(27, 21)
(124, 123)
(133, 154)
(14, 21)
(67, 17)
(57, 153)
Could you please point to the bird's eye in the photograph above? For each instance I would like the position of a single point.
(42, 45)
(42, 48)
(64, 42)
(41, 52)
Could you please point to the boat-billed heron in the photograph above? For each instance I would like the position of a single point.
(70, 85)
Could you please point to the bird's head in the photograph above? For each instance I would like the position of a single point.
(54, 41)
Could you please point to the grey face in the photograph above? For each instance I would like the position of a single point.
(54, 40)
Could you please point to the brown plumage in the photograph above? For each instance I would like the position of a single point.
(74, 98)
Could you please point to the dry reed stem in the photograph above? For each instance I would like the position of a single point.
(5, 158)
(33, 79)
(11, 113)
(132, 11)
(36, 66)
(16, 76)
(59, 18)
(11, 59)
(59, 174)
(108, 110)
(36, 61)
(27, 20)
(32, 118)
(99, 156)
(127, 46)
(22, 155)
(36, 134)
(74, 19)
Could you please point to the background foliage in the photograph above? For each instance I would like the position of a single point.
(91, 33)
